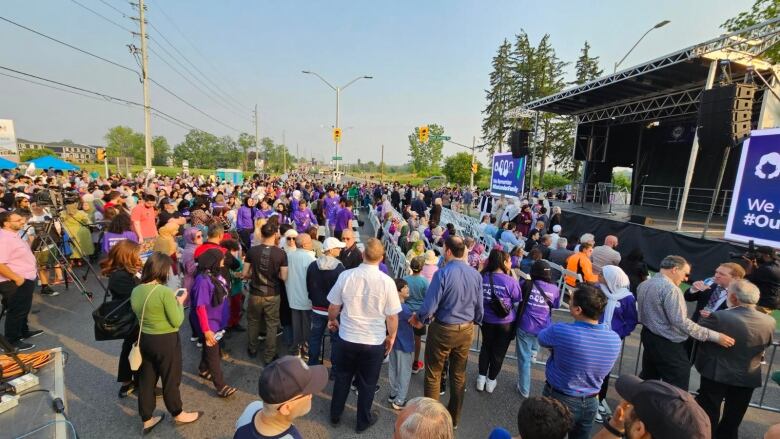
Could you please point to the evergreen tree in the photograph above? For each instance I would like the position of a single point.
(499, 99)
(587, 69)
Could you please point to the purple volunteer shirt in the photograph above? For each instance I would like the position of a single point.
(111, 239)
(507, 290)
(537, 312)
(331, 208)
(203, 289)
(343, 217)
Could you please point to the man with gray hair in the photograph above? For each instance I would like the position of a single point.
(666, 326)
(298, 262)
(733, 374)
(424, 418)
(586, 237)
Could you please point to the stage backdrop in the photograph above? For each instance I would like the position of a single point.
(755, 205)
(508, 175)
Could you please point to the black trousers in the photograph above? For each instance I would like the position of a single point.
(211, 360)
(495, 342)
(18, 302)
(125, 374)
(712, 394)
(363, 363)
(245, 238)
(161, 360)
(665, 360)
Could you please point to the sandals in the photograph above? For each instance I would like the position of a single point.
(149, 429)
(206, 375)
(177, 423)
(226, 391)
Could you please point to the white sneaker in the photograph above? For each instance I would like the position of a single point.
(599, 418)
(481, 382)
(491, 385)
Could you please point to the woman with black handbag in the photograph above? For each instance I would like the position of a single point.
(122, 266)
(501, 294)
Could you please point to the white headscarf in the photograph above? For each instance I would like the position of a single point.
(616, 289)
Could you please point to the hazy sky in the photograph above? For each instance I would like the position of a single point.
(430, 61)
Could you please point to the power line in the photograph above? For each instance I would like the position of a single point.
(195, 48)
(114, 8)
(104, 17)
(218, 93)
(166, 89)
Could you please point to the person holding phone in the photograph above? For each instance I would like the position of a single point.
(209, 297)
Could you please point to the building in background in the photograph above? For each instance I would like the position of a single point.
(72, 152)
(8, 148)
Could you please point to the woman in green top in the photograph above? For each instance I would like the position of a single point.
(163, 314)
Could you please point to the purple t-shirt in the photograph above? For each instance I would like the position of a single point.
(507, 290)
(537, 312)
(202, 290)
(110, 239)
(331, 208)
(343, 217)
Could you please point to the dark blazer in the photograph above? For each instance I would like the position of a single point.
(701, 298)
(739, 365)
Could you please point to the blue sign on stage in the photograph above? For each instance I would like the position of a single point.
(508, 175)
(755, 205)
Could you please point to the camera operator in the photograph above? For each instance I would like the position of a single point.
(18, 271)
(766, 276)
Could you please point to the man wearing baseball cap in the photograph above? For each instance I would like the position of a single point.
(286, 388)
(655, 409)
(320, 278)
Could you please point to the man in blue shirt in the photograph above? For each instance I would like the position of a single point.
(453, 303)
(583, 353)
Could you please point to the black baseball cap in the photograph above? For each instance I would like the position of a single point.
(288, 377)
(666, 411)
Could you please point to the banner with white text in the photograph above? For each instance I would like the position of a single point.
(755, 205)
(508, 176)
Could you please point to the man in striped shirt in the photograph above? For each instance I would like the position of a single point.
(583, 353)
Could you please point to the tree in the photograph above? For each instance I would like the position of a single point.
(586, 69)
(274, 155)
(457, 168)
(426, 157)
(32, 154)
(761, 10)
(122, 141)
(499, 99)
(161, 151)
(246, 142)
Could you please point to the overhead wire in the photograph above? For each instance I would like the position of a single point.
(86, 52)
(104, 17)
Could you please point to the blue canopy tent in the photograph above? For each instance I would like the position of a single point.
(7, 164)
(53, 162)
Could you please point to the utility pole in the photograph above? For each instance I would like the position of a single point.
(473, 154)
(145, 70)
(284, 151)
(257, 138)
(382, 166)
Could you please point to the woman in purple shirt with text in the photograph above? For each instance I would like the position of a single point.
(539, 297)
(499, 317)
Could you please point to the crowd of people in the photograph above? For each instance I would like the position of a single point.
(285, 258)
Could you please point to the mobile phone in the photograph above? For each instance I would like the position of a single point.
(180, 292)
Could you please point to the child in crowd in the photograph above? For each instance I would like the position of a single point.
(400, 370)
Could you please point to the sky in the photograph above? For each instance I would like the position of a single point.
(430, 62)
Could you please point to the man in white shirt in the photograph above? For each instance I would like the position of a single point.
(369, 305)
(298, 262)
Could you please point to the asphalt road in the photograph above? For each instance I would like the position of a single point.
(96, 411)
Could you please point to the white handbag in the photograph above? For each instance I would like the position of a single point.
(134, 357)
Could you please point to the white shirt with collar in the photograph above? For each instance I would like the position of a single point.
(367, 297)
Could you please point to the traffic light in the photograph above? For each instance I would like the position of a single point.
(101, 154)
(423, 134)
(474, 168)
(337, 135)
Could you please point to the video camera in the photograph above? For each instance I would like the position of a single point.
(55, 198)
(749, 255)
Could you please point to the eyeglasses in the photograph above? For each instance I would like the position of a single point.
(198, 236)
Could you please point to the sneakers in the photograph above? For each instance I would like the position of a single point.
(21, 346)
(602, 412)
(481, 382)
(599, 418)
(398, 405)
(376, 389)
(417, 367)
(490, 386)
(443, 388)
(193, 339)
(31, 334)
(48, 291)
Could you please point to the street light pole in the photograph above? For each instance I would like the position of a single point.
(338, 99)
(658, 25)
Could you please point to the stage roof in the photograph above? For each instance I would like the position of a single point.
(667, 86)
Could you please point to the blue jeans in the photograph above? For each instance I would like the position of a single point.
(319, 324)
(525, 346)
(583, 411)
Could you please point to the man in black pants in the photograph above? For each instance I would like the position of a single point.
(662, 311)
(18, 271)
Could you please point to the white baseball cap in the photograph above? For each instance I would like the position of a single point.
(331, 243)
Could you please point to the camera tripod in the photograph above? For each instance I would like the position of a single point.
(45, 242)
